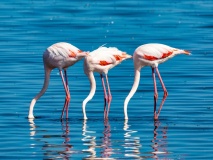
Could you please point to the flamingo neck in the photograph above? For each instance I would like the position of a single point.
(132, 92)
(44, 88)
(91, 94)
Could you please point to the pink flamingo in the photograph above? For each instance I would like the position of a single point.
(101, 60)
(151, 55)
(60, 55)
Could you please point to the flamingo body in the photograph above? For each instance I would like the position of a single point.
(152, 55)
(101, 60)
(62, 55)
(59, 55)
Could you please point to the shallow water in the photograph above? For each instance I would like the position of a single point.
(184, 129)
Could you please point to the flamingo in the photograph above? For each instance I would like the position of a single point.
(101, 60)
(59, 55)
(151, 55)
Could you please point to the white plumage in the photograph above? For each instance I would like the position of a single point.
(151, 55)
(60, 55)
(101, 60)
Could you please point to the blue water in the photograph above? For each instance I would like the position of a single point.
(185, 126)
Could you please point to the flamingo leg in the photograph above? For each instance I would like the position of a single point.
(155, 85)
(105, 94)
(67, 101)
(67, 94)
(164, 97)
(109, 95)
(66, 80)
(155, 92)
(65, 106)
(161, 105)
(162, 84)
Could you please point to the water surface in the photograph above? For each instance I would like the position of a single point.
(184, 129)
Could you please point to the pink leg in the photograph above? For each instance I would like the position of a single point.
(165, 94)
(155, 92)
(109, 96)
(103, 84)
(67, 102)
(66, 80)
(161, 81)
(105, 94)
(67, 93)
(155, 86)
(65, 106)
(161, 105)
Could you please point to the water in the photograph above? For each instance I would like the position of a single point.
(184, 129)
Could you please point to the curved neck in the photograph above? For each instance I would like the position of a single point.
(132, 92)
(44, 88)
(91, 94)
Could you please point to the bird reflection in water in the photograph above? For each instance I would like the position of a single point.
(159, 141)
(66, 135)
(52, 150)
(133, 146)
(89, 140)
(107, 147)
(132, 143)
(32, 127)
